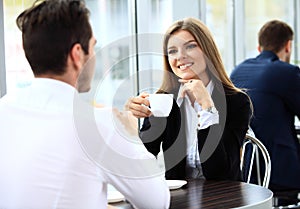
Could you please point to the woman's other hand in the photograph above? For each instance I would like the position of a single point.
(197, 92)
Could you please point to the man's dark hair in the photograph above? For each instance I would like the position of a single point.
(50, 28)
(274, 35)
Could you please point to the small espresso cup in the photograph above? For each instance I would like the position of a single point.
(161, 104)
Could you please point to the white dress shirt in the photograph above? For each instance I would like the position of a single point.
(49, 154)
(196, 119)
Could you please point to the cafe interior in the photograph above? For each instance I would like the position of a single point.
(129, 37)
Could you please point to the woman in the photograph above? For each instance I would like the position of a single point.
(202, 136)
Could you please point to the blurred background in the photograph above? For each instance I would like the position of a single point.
(129, 35)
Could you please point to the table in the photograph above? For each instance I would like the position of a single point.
(297, 129)
(298, 132)
(217, 194)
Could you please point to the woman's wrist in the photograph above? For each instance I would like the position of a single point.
(206, 104)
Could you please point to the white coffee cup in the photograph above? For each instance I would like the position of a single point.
(161, 104)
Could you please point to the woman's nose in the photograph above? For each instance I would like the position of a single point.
(181, 54)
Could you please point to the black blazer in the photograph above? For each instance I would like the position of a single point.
(219, 145)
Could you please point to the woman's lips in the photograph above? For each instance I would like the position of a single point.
(184, 66)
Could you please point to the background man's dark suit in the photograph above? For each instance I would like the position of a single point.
(274, 88)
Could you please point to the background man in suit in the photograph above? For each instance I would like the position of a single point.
(274, 88)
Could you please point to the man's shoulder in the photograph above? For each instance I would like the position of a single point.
(281, 70)
(248, 61)
(256, 65)
(244, 67)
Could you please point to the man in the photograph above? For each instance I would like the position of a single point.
(274, 88)
(52, 154)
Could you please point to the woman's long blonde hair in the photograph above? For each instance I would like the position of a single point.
(214, 64)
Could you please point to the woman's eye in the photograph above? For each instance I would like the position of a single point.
(191, 46)
(172, 51)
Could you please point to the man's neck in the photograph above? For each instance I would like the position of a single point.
(64, 78)
(283, 56)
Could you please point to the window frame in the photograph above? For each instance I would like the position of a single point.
(2, 54)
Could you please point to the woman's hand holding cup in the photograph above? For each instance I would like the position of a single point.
(139, 105)
(161, 104)
(146, 105)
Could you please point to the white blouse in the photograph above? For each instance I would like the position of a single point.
(196, 119)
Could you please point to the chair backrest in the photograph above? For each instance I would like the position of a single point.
(251, 150)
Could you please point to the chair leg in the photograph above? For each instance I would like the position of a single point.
(284, 202)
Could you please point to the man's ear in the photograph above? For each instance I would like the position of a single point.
(288, 46)
(76, 55)
(259, 49)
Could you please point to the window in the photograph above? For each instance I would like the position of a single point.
(113, 28)
(130, 33)
(219, 23)
(18, 72)
(257, 13)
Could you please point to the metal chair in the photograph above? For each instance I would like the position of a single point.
(250, 154)
(251, 149)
